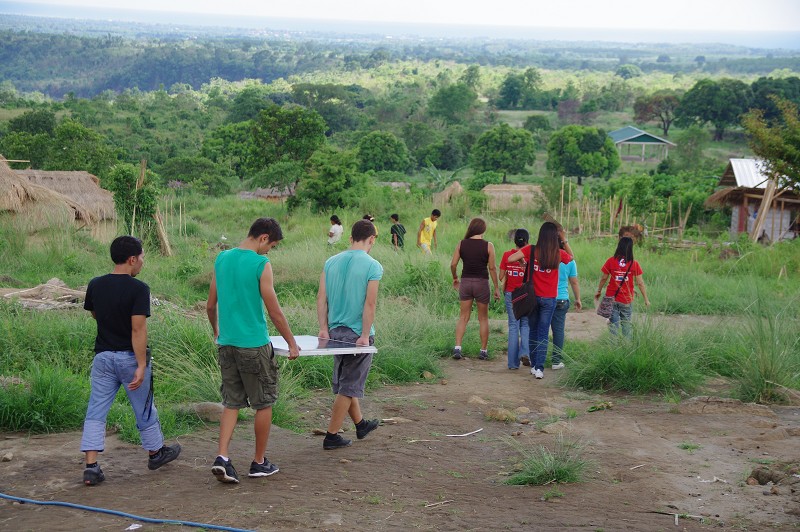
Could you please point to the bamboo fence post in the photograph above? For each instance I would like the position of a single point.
(561, 207)
(569, 202)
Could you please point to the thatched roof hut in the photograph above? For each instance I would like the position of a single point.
(444, 197)
(504, 197)
(40, 204)
(81, 187)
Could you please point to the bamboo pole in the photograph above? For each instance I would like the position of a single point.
(569, 202)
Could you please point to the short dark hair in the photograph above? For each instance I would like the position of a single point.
(521, 237)
(395, 217)
(266, 226)
(436, 212)
(125, 247)
(368, 217)
(362, 230)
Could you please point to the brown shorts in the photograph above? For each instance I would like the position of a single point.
(249, 376)
(474, 288)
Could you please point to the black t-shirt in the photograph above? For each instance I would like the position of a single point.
(114, 298)
(400, 231)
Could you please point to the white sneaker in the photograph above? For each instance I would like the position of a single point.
(539, 374)
(560, 365)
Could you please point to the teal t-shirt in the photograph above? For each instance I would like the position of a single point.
(346, 278)
(240, 308)
(565, 271)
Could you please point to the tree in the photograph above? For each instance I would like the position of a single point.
(581, 151)
(454, 104)
(26, 147)
(765, 88)
(287, 134)
(202, 174)
(778, 142)
(511, 92)
(232, 145)
(381, 150)
(121, 180)
(536, 123)
(660, 107)
(34, 122)
(691, 144)
(281, 175)
(446, 154)
(332, 181)
(720, 102)
(248, 103)
(76, 147)
(471, 77)
(503, 149)
(628, 71)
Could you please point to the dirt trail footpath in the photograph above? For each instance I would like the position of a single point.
(410, 475)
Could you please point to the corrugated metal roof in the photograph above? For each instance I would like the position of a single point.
(745, 173)
(634, 134)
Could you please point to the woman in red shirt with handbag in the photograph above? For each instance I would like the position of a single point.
(623, 272)
(547, 254)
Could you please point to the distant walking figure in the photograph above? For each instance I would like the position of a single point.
(623, 271)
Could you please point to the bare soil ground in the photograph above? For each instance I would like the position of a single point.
(411, 475)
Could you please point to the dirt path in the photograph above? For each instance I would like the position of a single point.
(412, 476)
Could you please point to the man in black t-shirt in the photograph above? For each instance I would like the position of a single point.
(121, 304)
(398, 232)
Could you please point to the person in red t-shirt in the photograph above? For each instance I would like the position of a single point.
(511, 275)
(547, 255)
(623, 271)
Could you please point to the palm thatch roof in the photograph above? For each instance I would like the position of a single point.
(18, 195)
(513, 196)
(81, 187)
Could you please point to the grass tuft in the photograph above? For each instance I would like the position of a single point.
(561, 464)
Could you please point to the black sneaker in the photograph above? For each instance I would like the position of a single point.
(92, 476)
(457, 353)
(225, 472)
(164, 455)
(335, 442)
(367, 426)
(525, 361)
(264, 469)
(483, 355)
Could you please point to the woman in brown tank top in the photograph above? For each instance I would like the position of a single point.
(479, 263)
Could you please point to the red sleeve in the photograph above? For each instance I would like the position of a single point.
(566, 258)
(526, 252)
(608, 266)
(636, 269)
(504, 260)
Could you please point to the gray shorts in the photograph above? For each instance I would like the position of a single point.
(474, 288)
(249, 376)
(350, 371)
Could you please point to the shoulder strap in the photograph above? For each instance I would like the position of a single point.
(619, 287)
(525, 277)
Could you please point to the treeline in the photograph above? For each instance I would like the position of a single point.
(60, 64)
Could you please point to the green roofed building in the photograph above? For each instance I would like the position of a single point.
(653, 148)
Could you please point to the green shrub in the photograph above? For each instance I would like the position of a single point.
(561, 464)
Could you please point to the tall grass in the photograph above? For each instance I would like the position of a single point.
(561, 463)
(653, 360)
(49, 399)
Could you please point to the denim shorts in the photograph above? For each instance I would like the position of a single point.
(249, 376)
(350, 371)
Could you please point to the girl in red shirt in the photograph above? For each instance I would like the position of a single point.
(623, 272)
(547, 254)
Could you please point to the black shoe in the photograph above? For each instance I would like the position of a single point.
(164, 455)
(224, 471)
(483, 355)
(335, 441)
(264, 469)
(366, 427)
(525, 361)
(92, 476)
(457, 354)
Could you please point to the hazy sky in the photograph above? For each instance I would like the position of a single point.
(721, 15)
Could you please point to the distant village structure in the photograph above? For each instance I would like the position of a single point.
(653, 148)
(745, 187)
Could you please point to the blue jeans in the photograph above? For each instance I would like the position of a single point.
(557, 326)
(110, 370)
(518, 335)
(620, 312)
(540, 329)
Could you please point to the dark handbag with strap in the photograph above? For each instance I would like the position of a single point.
(523, 298)
(604, 308)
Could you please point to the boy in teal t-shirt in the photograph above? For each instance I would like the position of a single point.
(240, 289)
(346, 300)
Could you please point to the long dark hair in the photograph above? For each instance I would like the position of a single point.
(547, 250)
(625, 249)
(335, 219)
(477, 226)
